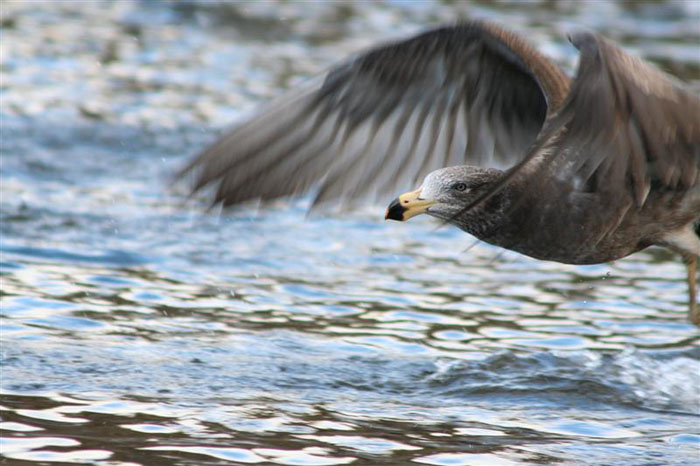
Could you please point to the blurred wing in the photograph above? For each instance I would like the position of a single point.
(471, 93)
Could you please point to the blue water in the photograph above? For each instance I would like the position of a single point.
(140, 329)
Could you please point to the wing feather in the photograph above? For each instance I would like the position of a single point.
(470, 93)
(625, 129)
(627, 126)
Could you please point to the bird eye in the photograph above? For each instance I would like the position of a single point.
(460, 187)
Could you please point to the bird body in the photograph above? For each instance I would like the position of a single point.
(566, 228)
(596, 167)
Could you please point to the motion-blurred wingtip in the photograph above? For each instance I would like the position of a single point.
(582, 38)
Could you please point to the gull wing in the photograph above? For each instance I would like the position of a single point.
(466, 94)
(625, 129)
(623, 151)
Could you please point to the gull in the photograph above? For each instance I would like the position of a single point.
(510, 149)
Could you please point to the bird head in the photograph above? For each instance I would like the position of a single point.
(444, 193)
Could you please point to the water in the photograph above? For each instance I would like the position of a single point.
(138, 329)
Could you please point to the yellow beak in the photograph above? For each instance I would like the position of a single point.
(406, 206)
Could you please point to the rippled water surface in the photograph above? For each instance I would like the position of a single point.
(138, 329)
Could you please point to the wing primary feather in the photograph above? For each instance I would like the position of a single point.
(467, 69)
(451, 127)
(434, 133)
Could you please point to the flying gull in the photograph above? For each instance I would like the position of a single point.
(594, 167)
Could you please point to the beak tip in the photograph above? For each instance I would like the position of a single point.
(395, 211)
